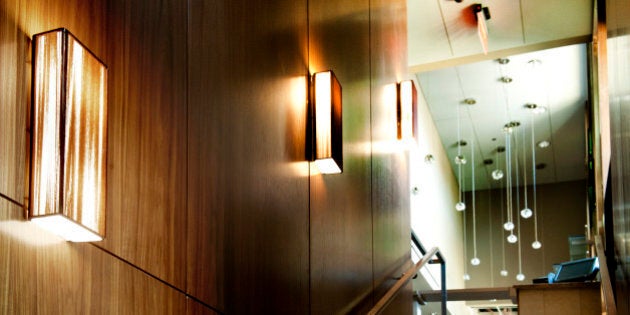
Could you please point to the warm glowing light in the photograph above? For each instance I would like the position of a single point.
(536, 245)
(66, 228)
(327, 106)
(405, 109)
(69, 127)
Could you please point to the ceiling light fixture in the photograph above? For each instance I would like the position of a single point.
(506, 79)
(544, 144)
(326, 98)
(482, 14)
(535, 108)
(459, 161)
(475, 260)
(68, 138)
(470, 101)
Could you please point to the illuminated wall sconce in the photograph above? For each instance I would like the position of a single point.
(327, 126)
(68, 138)
(405, 109)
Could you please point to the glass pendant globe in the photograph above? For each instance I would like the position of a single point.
(460, 206)
(508, 226)
(504, 273)
(497, 174)
(466, 277)
(520, 277)
(526, 213)
(460, 159)
(475, 261)
(512, 238)
(536, 245)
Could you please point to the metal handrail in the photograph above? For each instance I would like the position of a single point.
(608, 298)
(387, 298)
(440, 260)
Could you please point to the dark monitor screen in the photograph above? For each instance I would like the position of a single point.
(577, 270)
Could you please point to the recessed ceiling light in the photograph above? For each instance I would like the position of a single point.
(503, 61)
(505, 79)
(536, 109)
(543, 144)
(541, 166)
(470, 101)
(488, 161)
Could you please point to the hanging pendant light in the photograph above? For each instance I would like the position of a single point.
(508, 225)
(526, 212)
(536, 244)
(459, 161)
(497, 174)
(475, 260)
(503, 271)
(465, 248)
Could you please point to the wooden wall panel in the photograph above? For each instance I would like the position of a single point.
(390, 173)
(341, 216)
(42, 274)
(13, 71)
(146, 179)
(248, 178)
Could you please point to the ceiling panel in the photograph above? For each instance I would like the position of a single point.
(556, 80)
(427, 39)
(444, 32)
(546, 20)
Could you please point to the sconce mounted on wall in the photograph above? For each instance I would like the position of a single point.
(68, 138)
(406, 105)
(327, 125)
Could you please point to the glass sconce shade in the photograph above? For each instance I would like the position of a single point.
(406, 109)
(327, 125)
(68, 137)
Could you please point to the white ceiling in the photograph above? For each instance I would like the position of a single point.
(443, 36)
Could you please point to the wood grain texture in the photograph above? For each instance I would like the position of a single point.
(146, 179)
(247, 179)
(42, 274)
(390, 172)
(341, 214)
(13, 102)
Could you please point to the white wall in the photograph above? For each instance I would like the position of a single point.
(433, 216)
